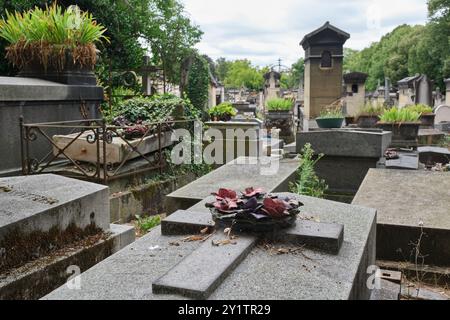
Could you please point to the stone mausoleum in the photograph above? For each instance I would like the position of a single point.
(324, 53)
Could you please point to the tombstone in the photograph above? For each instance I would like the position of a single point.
(355, 89)
(327, 268)
(415, 90)
(323, 68)
(272, 85)
(442, 114)
(409, 202)
(46, 213)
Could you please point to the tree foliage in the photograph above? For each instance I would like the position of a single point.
(198, 83)
(241, 73)
(408, 50)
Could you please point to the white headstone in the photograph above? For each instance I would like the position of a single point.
(442, 114)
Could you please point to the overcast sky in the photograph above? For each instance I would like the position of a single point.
(265, 30)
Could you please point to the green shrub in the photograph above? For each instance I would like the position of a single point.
(308, 183)
(279, 104)
(396, 115)
(223, 111)
(159, 108)
(421, 108)
(47, 34)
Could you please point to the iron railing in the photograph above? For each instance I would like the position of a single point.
(63, 158)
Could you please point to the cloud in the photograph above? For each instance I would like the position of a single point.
(264, 31)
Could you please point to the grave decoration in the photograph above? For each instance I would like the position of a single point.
(280, 115)
(222, 112)
(404, 124)
(253, 210)
(332, 116)
(53, 43)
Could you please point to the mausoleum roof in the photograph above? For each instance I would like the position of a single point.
(339, 36)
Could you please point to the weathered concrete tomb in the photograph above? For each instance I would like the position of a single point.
(49, 223)
(238, 174)
(413, 209)
(348, 155)
(164, 265)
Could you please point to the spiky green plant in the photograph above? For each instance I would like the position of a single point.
(372, 110)
(279, 104)
(396, 115)
(47, 34)
(333, 113)
(421, 108)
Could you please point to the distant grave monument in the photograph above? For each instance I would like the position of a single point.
(355, 90)
(415, 90)
(272, 85)
(323, 67)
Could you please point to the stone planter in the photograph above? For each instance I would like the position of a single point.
(404, 135)
(283, 120)
(367, 121)
(427, 120)
(71, 73)
(330, 123)
(116, 152)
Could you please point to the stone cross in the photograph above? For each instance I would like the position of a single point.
(200, 273)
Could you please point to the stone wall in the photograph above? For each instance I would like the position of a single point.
(39, 101)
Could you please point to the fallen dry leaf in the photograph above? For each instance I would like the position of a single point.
(204, 231)
(218, 243)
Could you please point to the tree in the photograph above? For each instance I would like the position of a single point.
(222, 68)
(198, 82)
(291, 79)
(171, 36)
(242, 73)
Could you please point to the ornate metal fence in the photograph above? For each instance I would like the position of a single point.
(93, 150)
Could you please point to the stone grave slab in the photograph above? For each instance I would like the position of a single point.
(262, 275)
(404, 200)
(40, 202)
(238, 174)
(405, 161)
(43, 221)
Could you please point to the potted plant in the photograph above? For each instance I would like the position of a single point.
(330, 118)
(369, 116)
(404, 124)
(222, 112)
(53, 43)
(280, 115)
(426, 114)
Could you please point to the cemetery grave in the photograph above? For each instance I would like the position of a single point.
(155, 261)
(48, 223)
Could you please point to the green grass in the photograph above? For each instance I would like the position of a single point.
(279, 104)
(396, 115)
